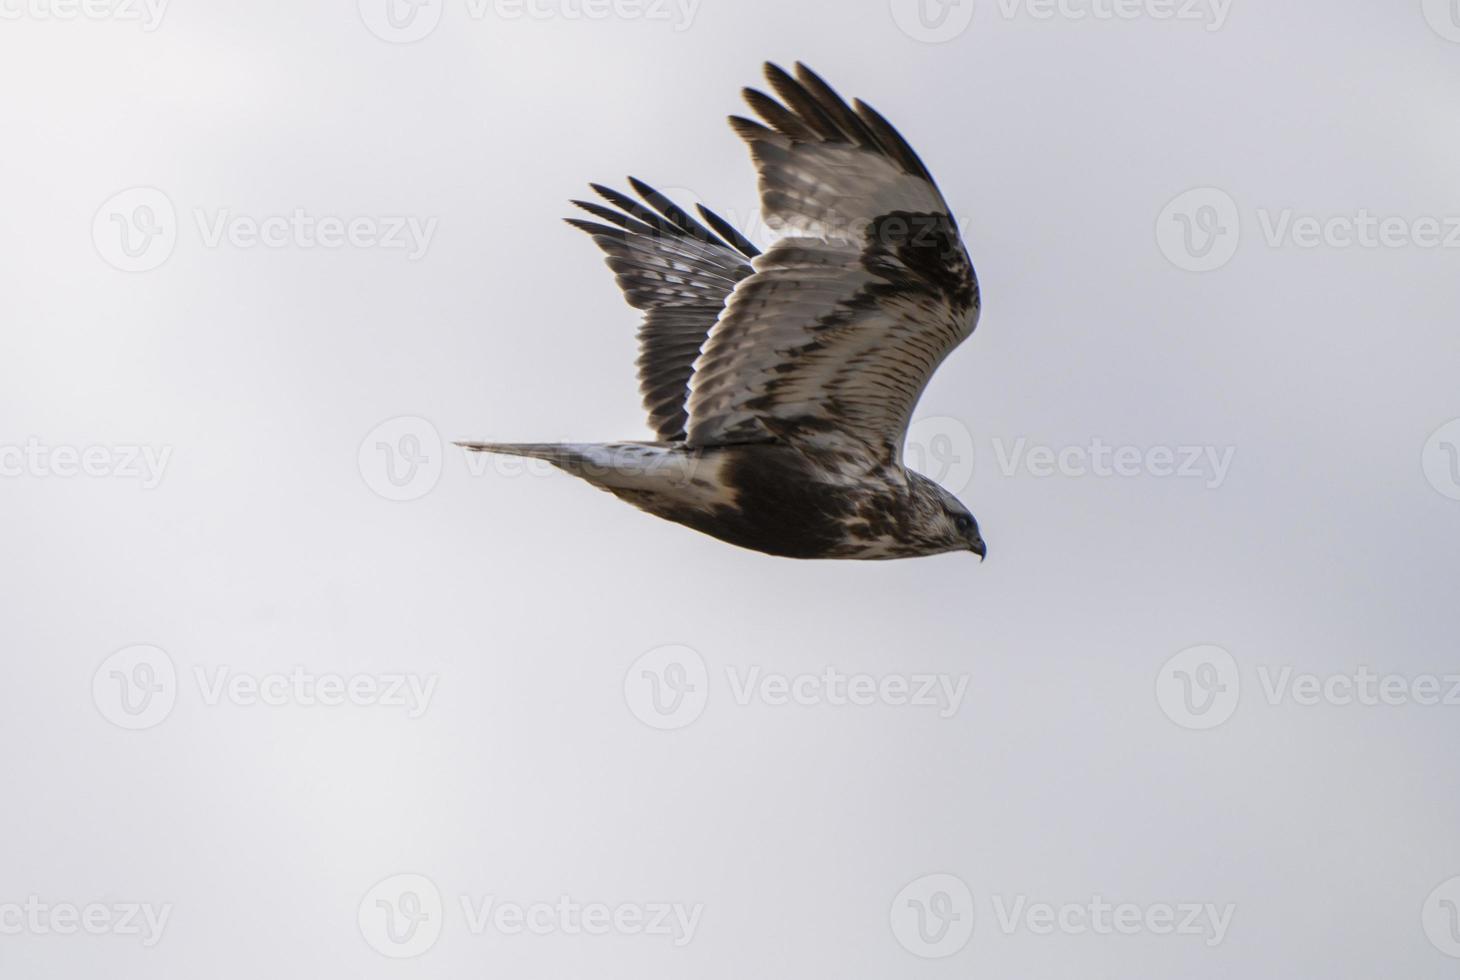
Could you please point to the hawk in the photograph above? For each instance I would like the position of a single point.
(780, 384)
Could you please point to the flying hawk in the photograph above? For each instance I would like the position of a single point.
(780, 385)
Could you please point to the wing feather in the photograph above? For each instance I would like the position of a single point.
(678, 272)
(835, 335)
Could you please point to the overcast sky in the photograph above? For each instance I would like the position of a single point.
(294, 689)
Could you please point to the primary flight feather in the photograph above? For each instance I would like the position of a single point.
(780, 385)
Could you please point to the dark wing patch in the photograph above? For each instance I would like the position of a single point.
(680, 273)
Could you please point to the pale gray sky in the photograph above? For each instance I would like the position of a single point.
(265, 259)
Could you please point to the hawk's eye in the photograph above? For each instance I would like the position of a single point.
(963, 522)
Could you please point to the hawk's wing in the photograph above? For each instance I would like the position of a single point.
(679, 272)
(845, 319)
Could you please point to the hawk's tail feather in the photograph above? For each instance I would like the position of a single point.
(552, 452)
(611, 465)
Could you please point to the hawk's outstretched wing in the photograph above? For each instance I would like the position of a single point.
(680, 273)
(838, 331)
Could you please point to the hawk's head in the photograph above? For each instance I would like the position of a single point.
(950, 526)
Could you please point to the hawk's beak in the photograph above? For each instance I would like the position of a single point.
(980, 549)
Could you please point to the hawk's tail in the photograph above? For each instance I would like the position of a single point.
(556, 453)
(611, 465)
